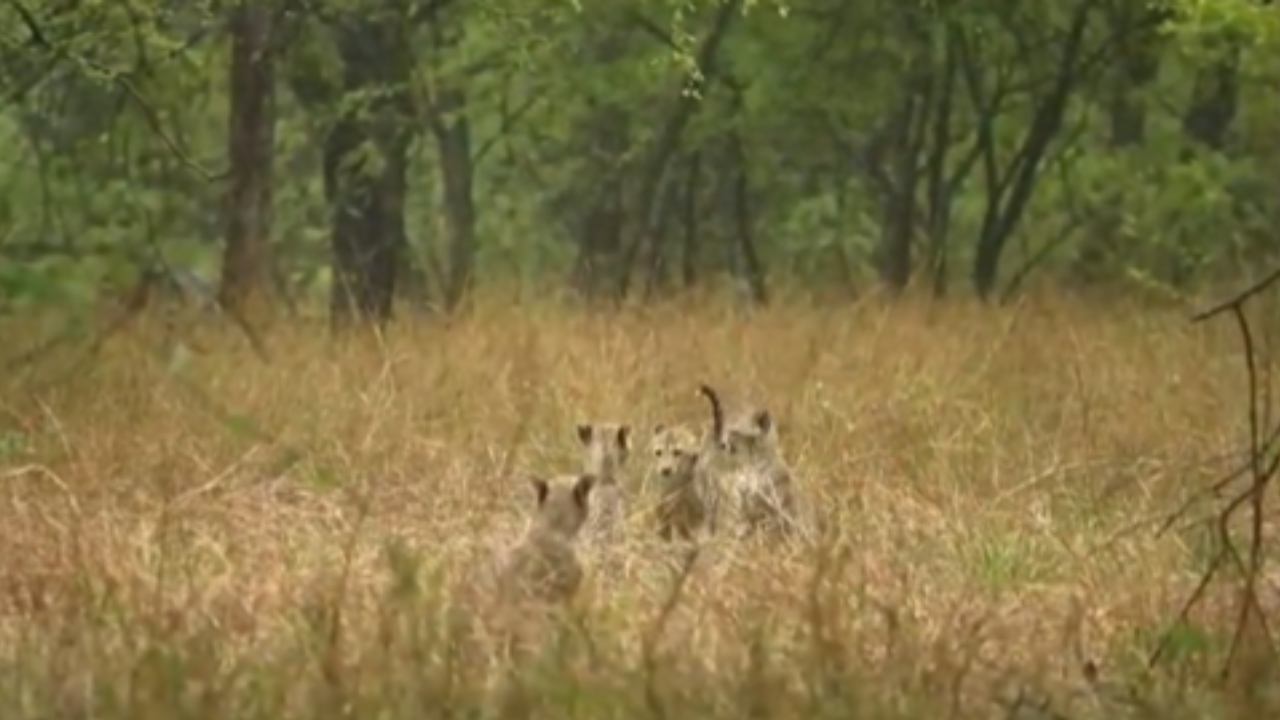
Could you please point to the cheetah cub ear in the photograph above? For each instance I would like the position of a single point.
(763, 421)
(622, 434)
(541, 489)
(582, 490)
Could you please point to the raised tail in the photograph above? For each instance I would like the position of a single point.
(717, 411)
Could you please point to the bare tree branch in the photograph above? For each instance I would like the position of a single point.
(41, 40)
(1239, 299)
(1264, 462)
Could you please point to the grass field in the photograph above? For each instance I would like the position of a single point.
(276, 540)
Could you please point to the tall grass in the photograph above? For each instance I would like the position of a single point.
(228, 538)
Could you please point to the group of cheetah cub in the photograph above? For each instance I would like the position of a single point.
(730, 479)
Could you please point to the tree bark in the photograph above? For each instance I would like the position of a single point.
(365, 173)
(248, 277)
(453, 142)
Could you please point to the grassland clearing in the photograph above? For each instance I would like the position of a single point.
(238, 539)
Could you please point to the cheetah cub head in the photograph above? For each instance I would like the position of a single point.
(751, 438)
(675, 453)
(606, 446)
(748, 438)
(562, 504)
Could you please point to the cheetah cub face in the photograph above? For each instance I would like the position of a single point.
(688, 496)
(675, 454)
(606, 446)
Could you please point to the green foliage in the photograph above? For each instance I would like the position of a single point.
(115, 124)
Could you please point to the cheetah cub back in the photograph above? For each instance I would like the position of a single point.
(543, 565)
(505, 612)
(606, 449)
(755, 475)
(686, 495)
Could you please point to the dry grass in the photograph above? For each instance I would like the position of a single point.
(245, 540)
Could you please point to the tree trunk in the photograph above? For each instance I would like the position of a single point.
(1135, 68)
(592, 204)
(650, 197)
(248, 277)
(1215, 104)
(894, 254)
(364, 171)
(1009, 195)
(453, 142)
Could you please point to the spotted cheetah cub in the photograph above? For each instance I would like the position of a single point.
(755, 476)
(686, 496)
(543, 566)
(606, 448)
(504, 613)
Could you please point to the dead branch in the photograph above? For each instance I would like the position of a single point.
(1240, 298)
(39, 39)
(1263, 464)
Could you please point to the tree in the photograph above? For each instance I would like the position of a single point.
(248, 279)
(638, 150)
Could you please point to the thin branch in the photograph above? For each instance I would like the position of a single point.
(1240, 298)
(40, 40)
(509, 121)
(1263, 464)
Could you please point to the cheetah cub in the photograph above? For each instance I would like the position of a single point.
(686, 497)
(606, 448)
(760, 485)
(543, 566)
